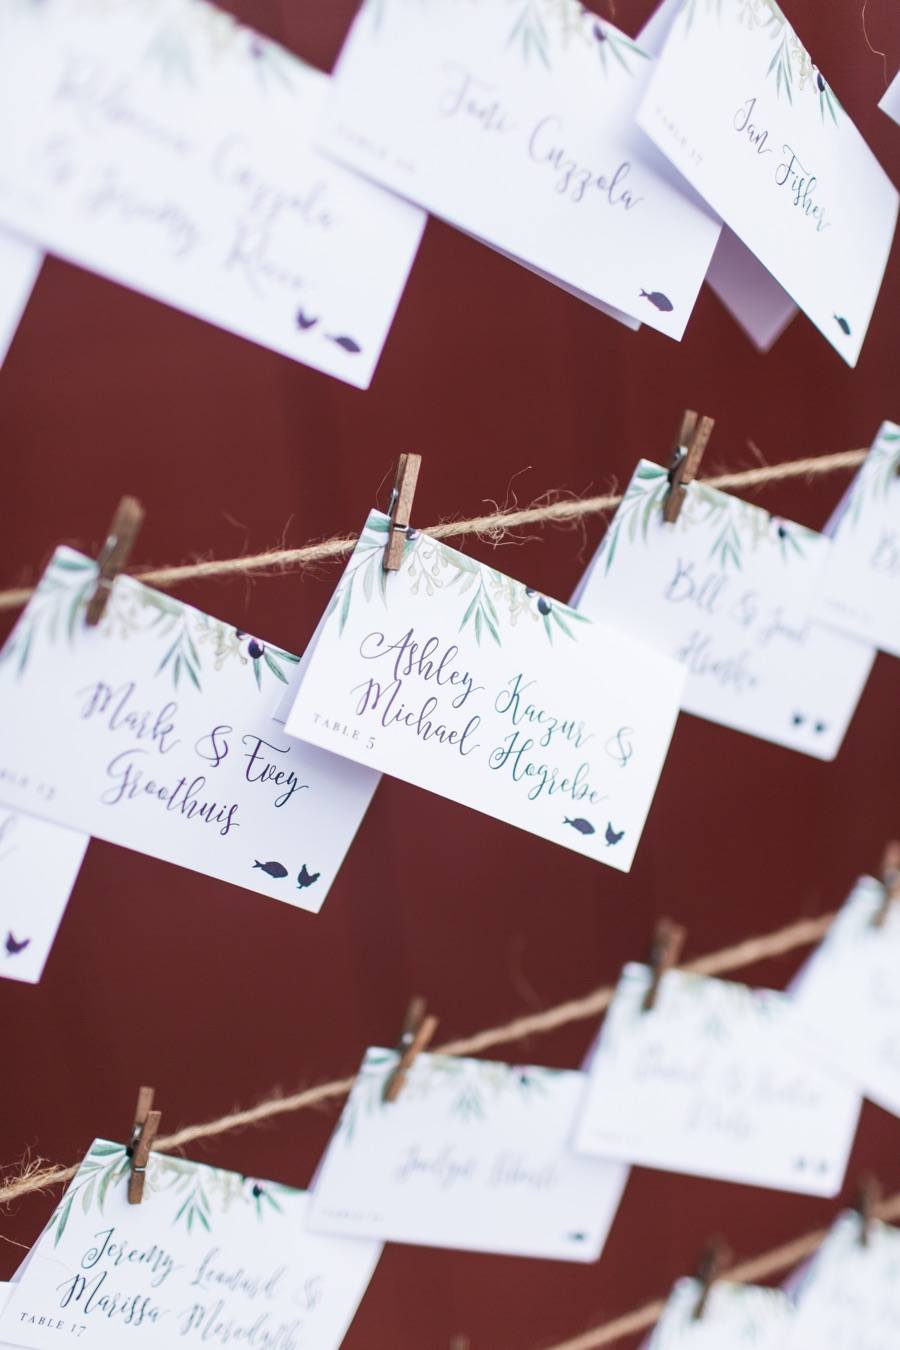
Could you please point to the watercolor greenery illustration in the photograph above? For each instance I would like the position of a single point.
(470, 1087)
(491, 599)
(737, 528)
(879, 478)
(743, 1314)
(202, 1192)
(791, 66)
(204, 37)
(716, 1010)
(55, 613)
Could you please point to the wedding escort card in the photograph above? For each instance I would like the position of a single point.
(20, 262)
(472, 1154)
(847, 999)
(849, 1295)
(710, 1082)
(208, 1257)
(729, 591)
(734, 1315)
(459, 679)
(39, 862)
(155, 730)
(860, 586)
(515, 122)
(164, 145)
(739, 107)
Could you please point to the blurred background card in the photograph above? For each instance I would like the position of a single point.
(739, 107)
(518, 127)
(890, 103)
(168, 147)
(849, 1296)
(734, 1315)
(20, 262)
(39, 862)
(472, 1154)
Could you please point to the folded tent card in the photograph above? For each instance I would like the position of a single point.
(711, 1081)
(207, 1257)
(740, 108)
(445, 102)
(466, 1138)
(463, 681)
(164, 145)
(155, 730)
(859, 592)
(730, 592)
(39, 862)
(848, 1297)
(733, 1315)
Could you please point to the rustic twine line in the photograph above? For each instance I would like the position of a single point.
(496, 525)
(803, 933)
(762, 1267)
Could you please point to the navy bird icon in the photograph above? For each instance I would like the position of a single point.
(306, 878)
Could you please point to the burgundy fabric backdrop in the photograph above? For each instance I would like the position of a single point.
(508, 387)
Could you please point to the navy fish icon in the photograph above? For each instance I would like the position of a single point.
(306, 878)
(658, 301)
(272, 869)
(580, 824)
(842, 324)
(349, 344)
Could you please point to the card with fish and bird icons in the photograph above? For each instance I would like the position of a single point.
(729, 591)
(20, 262)
(39, 862)
(846, 999)
(737, 104)
(733, 1315)
(859, 592)
(464, 1138)
(207, 1257)
(156, 730)
(516, 124)
(169, 148)
(848, 1296)
(711, 1081)
(470, 684)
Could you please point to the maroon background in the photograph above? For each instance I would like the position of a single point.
(507, 386)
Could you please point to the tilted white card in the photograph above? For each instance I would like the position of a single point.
(890, 101)
(155, 730)
(164, 145)
(208, 1257)
(729, 591)
(742, 111)
(20, 262)
(710, 1083)
(515, 122)
(461, 680)
(847, 997)
(849, 1296)
(859, 591)
(735, 1316)
(39, 862)
(472, 1154)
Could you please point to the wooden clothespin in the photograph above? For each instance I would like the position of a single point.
(665, 949)
(693, 438)
(400, 509)
(418, 1031)
(143, 1133)
(868, 1198)
(114, 555)
(890, 881)
(713, 1263)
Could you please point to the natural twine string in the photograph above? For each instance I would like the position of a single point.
(803, 933)
(761, 1267)
(495, 525)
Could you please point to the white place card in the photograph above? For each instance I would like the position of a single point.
(515, 122)
(39, 862)
(711, 1083)
(473, 1154)
(155, 730)
(890, 101)
(860, 586)
(729, 591)
(207, 1258)
(849, 1296)
(168, 147)
(740, 108)
(20, 262)
(847, 997)
(461, 680)
(735, 1316)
